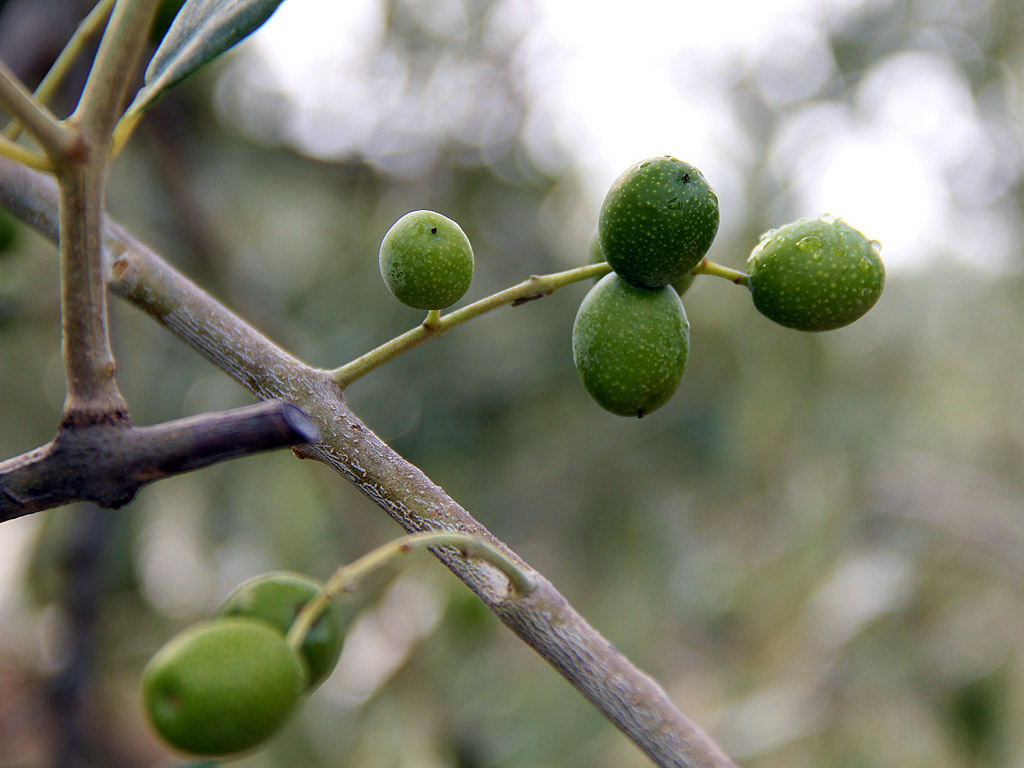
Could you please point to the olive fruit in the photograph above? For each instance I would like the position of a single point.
(594, 253)
(277, 598)
(657, 221)
(630, 345)
(426, 260)
(596, 256)
(682, 285)
(222, 686)
(815, 274)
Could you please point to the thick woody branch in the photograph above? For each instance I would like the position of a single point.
(544, 619)
(107, 464)
(92, 393)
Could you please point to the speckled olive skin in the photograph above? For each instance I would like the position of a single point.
(630, 345)
(277, 598)
(815, 274)
(222, 687)
(426, 260)
(596, 256)
(657, 221)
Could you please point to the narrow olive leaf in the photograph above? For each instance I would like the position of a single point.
(202, 31)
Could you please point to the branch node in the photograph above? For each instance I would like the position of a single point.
(532, 297)
(12, 497)
(83, 418)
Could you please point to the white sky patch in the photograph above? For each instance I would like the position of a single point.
(909, 162)
(881, 184)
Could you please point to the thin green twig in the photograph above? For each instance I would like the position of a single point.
(56, 139)
(534, 287)
(24, 155)
(87, 28)
(347, 576)
(707, 267)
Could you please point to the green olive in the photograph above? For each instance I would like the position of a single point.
(630, 345)
(815, 274)
(222, 687)
(276, 598)
(657, 221)
(595, 256)
(426, 260)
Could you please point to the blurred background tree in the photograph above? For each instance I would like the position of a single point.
(816, 546)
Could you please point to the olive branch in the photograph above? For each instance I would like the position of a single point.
(58, 187)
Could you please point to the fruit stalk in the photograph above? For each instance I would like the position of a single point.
(534, 287)
(347, 576)
(708, 267)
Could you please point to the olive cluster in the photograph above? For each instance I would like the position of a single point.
(631, 336)
(630, 339)
(225, 685)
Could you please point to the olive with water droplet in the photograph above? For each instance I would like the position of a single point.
(815, 274)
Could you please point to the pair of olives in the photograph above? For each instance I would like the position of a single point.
(630, 338)
(226, 685)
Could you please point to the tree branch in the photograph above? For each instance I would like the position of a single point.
(92, 393)
(544, 619)
(57, 140)
(107, 463)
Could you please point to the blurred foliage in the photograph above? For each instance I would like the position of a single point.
(815, 547)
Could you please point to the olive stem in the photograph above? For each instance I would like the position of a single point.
(86, 29)
(534, 287)
(708, 267)
(57, 140)
(433, 319)
(347, 576)
(24, 155)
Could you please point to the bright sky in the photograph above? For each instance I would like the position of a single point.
(624, 81)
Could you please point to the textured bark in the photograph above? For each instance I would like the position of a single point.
(107, 463)
(543, 619)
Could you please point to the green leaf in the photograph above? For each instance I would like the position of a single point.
(202, 31)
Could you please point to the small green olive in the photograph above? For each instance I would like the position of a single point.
(277, 598)
(657, 221)
(426, 260)
(222, 687)
(815, 274)
(630, 345)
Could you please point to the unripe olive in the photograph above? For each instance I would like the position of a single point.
(657, 221)
(277, 598)
(426, 260)
(815, 274)
(222, 686)
(630, 345)
(594, 253)
(682, 285)
(595, 256)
